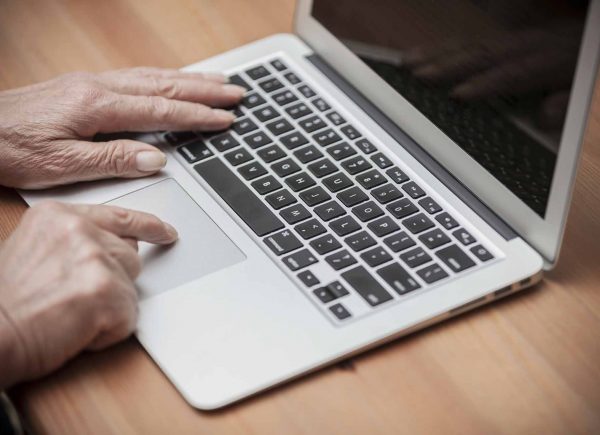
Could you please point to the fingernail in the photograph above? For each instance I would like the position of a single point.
(234, 90)
(223, 115)
(150, 161)
(171, 231)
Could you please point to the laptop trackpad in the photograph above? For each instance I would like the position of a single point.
(202, 247)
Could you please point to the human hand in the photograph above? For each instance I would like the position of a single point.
(46, 129)
(67, 283)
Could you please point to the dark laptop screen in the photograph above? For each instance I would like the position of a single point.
(493, 75)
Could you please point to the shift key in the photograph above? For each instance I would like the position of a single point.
(239, 197)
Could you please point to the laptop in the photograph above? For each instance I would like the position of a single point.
(392, 165)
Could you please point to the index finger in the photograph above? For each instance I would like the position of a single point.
(128, 223)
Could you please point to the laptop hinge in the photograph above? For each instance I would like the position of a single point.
(422, 156)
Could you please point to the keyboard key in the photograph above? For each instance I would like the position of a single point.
(299, 260)
(367, 211)
(337, 182)
(432, 273)
(340, 259)
(252, 100)
(271, 153)
(243, 126)
(257, 140)
(224, 142)
(279, 126)
(239, 197)
(292, 78)
(399, 242)
(321, 104)
(325, 244)
(386, 193)
(446, 221)
(283, 242)
(195, 151)
(270, 85)
(237, 80)
(329, 210)
(359, 241)
(376, 256)
(340, 311)
(280, 199)
(178, 137)
(285, 167)
(335, 118)
(402, 208)
(295, 213)
(236, 110)
(258, 72)
(308, 154)
(306, 91)
(239, 156)
(299, 181)
(481, 253)
(322, 168)
(434, 238)
(323, 294)
(415, 257)
(417, 223)
(365, 146)
(310, 229)
(413, 190)
(293, 140)
(284, 97)
(299, 110)
(266, 185)
(341, 151)
(398, 278)
(367, 286)
(370, 179)
(308, 278)
(252, 170)
(352, 196)
(463, 236)
(455, 258)
(350, 132)
(430, 205)
(344, 225)
(278, 65)
(312, 123)
(383, 226)
(326, 137)
(314, 196)
(266, 113)
(356, 164)
(397, 175)
(381, 160)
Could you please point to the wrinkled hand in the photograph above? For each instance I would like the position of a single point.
(67, 283)
(45, 129)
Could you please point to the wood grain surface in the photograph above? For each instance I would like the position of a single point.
(527, 365)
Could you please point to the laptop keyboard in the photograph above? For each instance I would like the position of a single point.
(324, 200)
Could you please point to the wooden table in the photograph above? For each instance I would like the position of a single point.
(525, 365)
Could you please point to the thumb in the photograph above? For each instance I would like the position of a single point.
(118, 158)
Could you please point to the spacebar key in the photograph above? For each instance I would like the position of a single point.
(239, 197)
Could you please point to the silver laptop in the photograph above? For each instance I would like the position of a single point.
(393, 164)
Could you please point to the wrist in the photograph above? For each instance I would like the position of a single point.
(12, 356)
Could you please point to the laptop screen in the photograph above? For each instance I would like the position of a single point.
(494, 75)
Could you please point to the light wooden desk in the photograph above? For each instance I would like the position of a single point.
(529, 364)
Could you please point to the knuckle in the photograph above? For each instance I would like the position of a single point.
(117, 160)
(161, 108)
(73, 225)
(167, 88)
(85, 92)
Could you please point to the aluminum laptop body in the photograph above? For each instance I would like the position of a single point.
(225, 313)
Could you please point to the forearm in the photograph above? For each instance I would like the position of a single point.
(11, 353)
